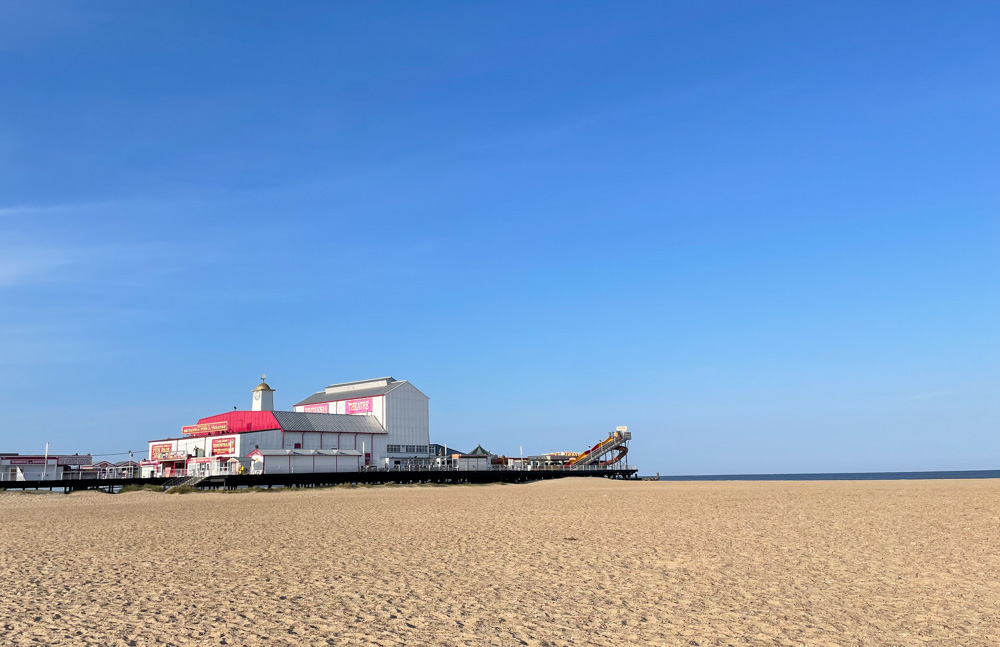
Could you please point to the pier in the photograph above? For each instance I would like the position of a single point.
(325, 479)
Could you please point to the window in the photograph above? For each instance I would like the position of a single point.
(406, 449)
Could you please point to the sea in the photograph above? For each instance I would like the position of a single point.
(835, 476)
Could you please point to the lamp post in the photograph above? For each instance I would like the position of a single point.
(45, 463)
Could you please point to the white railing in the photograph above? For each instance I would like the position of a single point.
(226, 470)
(505, 468)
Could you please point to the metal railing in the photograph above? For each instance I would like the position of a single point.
(224, 470)
(505, 468)
(77, 475)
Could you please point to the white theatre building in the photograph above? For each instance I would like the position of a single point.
(398, 406)
(344, 428)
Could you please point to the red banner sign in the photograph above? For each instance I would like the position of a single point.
(223, 446)
(363, 405)
(206, 428)
(158, 450)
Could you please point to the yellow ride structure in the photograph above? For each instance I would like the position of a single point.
(603, 453)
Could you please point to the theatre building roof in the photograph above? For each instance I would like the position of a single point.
(243, 421)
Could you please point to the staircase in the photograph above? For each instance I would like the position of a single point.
(616, 441)
(183, 480)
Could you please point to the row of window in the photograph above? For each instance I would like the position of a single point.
(407, 449)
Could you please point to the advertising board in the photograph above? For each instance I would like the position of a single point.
(155, 451)
(29, 460)
(223, 446)
(206, 428)
(74, 460)
(364, 405)
(323, 407)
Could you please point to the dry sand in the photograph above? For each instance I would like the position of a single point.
(575, 562)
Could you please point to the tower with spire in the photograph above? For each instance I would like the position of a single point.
(263, 396)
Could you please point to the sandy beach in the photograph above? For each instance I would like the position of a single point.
(573, 562)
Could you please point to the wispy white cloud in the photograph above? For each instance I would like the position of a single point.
(28, 210)
(88, 292)
(21, 265)
(71, 242)
(37, 349)
(20, 210)
(26, 263)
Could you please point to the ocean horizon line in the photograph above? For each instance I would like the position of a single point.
(837, 476)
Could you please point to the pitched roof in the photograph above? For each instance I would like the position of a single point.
(479, 451)
(243, 421)
(294, 421)
(443, 450)
(240, 421)
(353, 394)
(387, 378)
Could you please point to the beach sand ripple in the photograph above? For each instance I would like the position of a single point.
(571, 562)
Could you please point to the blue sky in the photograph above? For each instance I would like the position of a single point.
(762, 235)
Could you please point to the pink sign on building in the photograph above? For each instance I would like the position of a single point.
(317, 408)
(363, 405)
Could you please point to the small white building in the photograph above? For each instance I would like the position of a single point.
(464, 462)
(54, 467)
(291, 461)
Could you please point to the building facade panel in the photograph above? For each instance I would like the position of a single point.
(277, 465)
(301, 463)
(408, 420)
(258, 439)
(348, 463)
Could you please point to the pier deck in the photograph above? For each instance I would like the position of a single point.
(319, 479)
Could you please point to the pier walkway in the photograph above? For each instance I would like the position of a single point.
(321, 479)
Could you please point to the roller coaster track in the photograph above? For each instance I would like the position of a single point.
(617, 441)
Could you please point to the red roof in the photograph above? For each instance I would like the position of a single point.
(241, 421)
